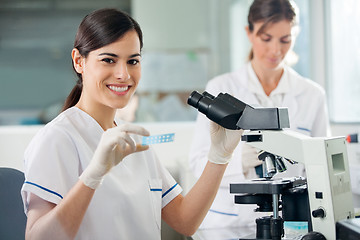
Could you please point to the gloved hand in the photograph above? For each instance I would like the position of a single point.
(249, 159)
(223, 143)
(114, 145)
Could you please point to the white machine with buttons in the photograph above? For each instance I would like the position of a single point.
(325, 159)
(327, 170)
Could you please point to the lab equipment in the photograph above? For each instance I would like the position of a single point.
(325, 159)
(353, 148)
(161, 138)
(348, 229)
(272, 164)
(232, 113)
(327, 170)
(352, 138)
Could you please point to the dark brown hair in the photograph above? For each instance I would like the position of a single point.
(98, 29)
(271, 11)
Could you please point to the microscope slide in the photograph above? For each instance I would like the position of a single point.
(162, 138)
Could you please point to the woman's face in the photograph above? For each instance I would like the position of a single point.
(271, 46)
(111, 74)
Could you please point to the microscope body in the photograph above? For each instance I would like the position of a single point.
(325, 159)
(327, 172)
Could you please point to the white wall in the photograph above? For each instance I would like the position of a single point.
(13, 141)
(202, 25)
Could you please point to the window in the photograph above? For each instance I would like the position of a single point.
(343, 60)
(35, 55)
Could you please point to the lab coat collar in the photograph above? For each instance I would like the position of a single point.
(255, 86)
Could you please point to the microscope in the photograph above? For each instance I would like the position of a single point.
(322, 199)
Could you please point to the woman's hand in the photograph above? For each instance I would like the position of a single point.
(223, 143)
(114, 145)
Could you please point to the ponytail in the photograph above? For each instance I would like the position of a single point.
(251, 55)
(74, 96)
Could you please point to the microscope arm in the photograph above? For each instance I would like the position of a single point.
(284, 143)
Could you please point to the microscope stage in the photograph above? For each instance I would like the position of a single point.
(265, 186)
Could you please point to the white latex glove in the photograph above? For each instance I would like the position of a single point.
(223, 143)
(249, 158)
(114, 145)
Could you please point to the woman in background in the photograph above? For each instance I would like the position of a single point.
(265, 80)
(86, 175)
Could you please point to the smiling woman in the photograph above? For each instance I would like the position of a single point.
(110, 74)
(98, 54)
(86, 149)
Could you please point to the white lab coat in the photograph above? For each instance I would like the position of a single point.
(307, 110)
(128, 203)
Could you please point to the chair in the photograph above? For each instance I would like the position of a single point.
(12, 216)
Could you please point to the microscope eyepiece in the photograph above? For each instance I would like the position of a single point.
(200, 101)
(224, 109)
(194, 98)
(228, 112)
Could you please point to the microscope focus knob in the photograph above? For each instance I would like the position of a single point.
(318, 213)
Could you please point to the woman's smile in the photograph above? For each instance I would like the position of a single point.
(119, 89)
